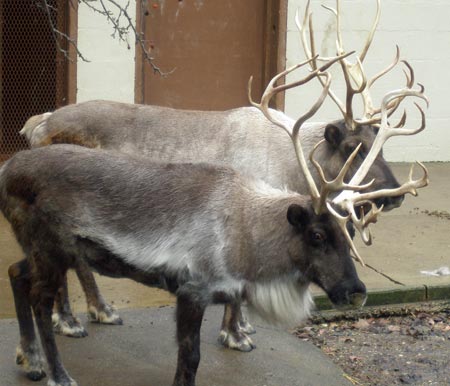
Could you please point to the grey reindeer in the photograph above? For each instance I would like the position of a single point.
(241, 138)
(201, 232)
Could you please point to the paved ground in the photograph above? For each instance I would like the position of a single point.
(406, 241)
(414, 237)
(143, 353)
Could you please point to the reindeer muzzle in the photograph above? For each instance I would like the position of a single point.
(350, 294)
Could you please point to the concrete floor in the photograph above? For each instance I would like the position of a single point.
(143, 353)
(414, 237)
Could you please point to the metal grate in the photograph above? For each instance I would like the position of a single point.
(32, 70)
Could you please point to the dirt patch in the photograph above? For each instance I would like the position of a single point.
(442, 214)
(409, 345)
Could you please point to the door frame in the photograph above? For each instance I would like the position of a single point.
(71, 69)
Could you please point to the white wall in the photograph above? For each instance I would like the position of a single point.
(111, 70)
(421, 29)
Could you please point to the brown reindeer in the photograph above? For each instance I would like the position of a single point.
(241, 138)
(201, 232)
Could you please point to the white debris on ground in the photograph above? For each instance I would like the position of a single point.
(442, 271)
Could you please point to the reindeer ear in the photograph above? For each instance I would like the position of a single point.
(298, 216)
(333, 134)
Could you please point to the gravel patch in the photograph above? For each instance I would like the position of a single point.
(407, 345)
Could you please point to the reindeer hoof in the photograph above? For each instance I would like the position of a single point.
(66, 382)
(107, 315)
(31, 362)
(236, 341)
(36, 375)
(68, 325)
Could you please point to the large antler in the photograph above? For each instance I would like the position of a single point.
(319, 198)
(350, 200)
(353, 72)
(385, 131)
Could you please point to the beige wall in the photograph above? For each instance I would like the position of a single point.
(110, 72)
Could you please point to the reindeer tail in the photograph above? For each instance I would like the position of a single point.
(35, 128)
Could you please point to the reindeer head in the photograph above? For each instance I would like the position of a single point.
(351, 199)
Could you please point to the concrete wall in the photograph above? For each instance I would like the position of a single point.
(422, 31)
(111, 70)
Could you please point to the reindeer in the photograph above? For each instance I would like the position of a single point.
(201, 231)
(241, 138)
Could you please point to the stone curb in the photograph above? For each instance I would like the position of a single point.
(424, 293)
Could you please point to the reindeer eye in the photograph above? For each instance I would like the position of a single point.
(317, 238)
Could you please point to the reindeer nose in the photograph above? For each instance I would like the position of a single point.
(357, 299)
(348, 294)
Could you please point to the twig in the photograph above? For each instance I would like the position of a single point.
(57, 33)
(384, 275)
(120, 32)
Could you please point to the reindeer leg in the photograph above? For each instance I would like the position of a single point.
(28, 354)
(64, 322)
(232, 335)
(99, 311)
(191, 303)
(244, 324)
(43, 292)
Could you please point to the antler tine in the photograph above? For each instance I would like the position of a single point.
(356, 199)
(342, 222)
(395, 103)
(347, 69)
(371, 216)
(293, 132)
(369, 40)
(310, 52)
(317, 72)
(402, 120)
(355, 71)
(362, 223)
(369, 110)
(409, 84)
(271, 90)
(385, 132)
(409, 186)
(337, 14)
(337, 184)
(401, 94)
(348, 200)
(359, 222)
(387, 69)
(351, 71)
(298, 147)
(410, 77)
(300, 121)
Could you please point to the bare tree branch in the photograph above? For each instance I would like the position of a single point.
(57, 34)
(116, 14)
